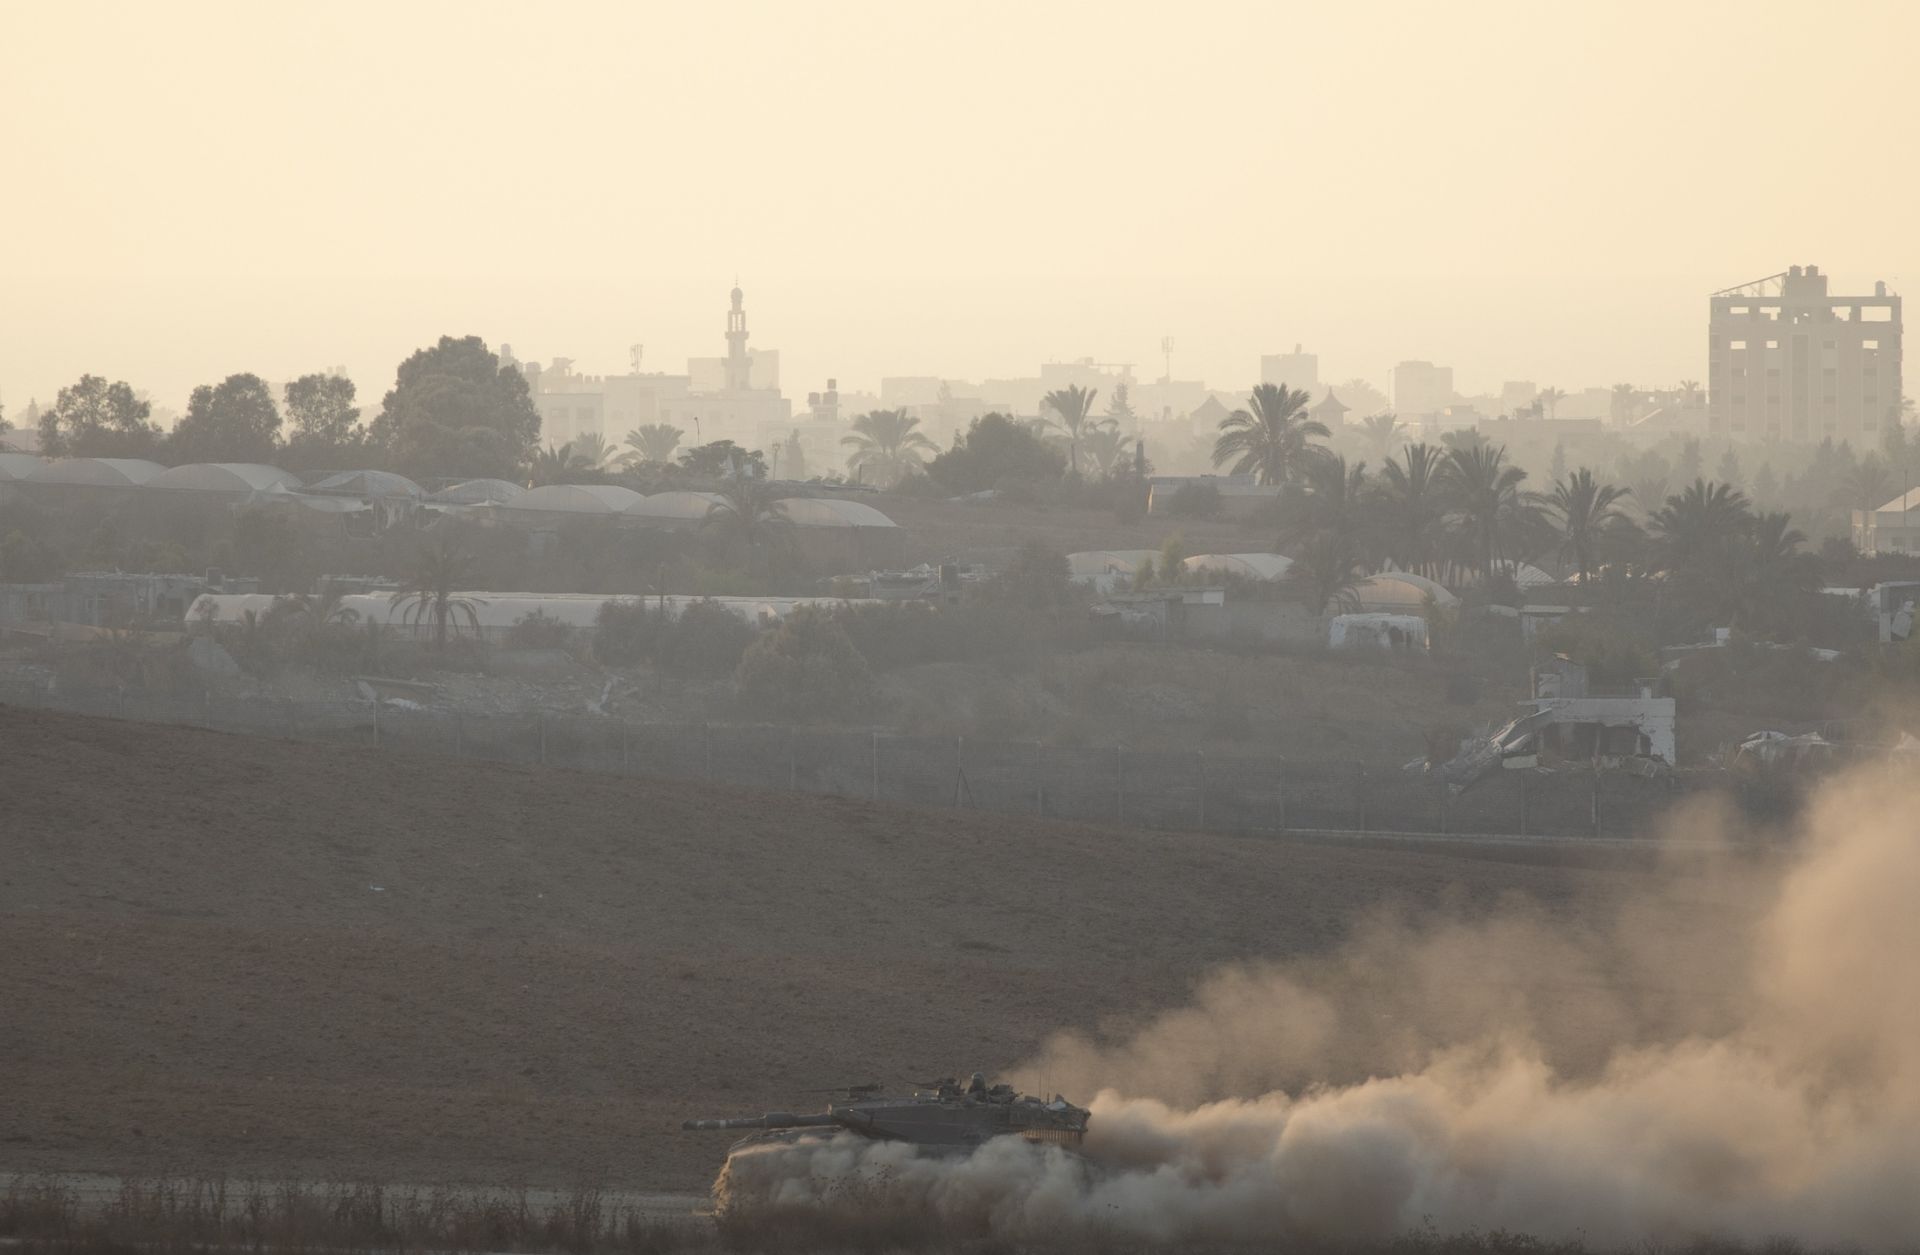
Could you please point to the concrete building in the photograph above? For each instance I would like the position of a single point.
(1788, 361)
(736, 397)
(1421, 390)
(1297, 370)
(1893, 528)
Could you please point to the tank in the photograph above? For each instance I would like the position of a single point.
(941, 1117)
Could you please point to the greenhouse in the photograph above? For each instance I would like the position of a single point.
(236, 478)
(1251, 566)
(98, 472)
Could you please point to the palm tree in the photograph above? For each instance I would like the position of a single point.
(654, 442)
(1108, 449)
(1689, 389)
(1697, 522)
(749, 512)
(1551, 398)
(1415, 507)
(592, 452)
(1382, 431)
(1586, 510)
(1072, 403)
(1275, 441)
(551, 465)
(431, 593)
(1487, 502)
(1334, 497)
(885, 443)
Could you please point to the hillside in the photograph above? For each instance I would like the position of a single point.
(257, 956)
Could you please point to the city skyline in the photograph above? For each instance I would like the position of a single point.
(1383, 199)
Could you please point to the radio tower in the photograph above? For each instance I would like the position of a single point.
(1166, 350)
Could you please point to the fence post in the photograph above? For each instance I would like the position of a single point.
(959, 766)
(376, 723)
(876, 766)
(1445, 793)
(706, 750)
(1360, 796)
(793, 760)
(1596, 803)
(1119, 785)
(540, 723)
(1283, 795)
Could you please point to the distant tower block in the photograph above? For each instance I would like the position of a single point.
(738, 372)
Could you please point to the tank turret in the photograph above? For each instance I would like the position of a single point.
(941, 1116)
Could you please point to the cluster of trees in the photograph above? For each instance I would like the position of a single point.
(454, 410)
(1461, 512)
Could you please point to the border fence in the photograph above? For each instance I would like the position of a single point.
(1111, 784)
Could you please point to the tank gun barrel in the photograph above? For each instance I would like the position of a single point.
(771, 1120)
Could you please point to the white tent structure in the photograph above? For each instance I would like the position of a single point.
(1392, 591)
(368, 484)
(575, 499)
(682, 507)
(15, 467)
(235, 478)
(478, 492)
(833, 512)
(1252, 566)
(1526, 575)
(98, 472)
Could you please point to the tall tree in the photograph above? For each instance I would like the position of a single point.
(97, 419)
(1487, 502)
(1550, 398)
(1331, 497)
(654, 442)
(1382, 431)
(749, 514)
(887, 447)
(593, 452)
(1585, 509)
(234, 420)
(1697, 523)
(1275, 440)
(432, 592)
(1327, 569)
(325, 421)
(1415, 508)
(994, 450)
(1071, 405)
(1120, 409)
(455, 410)
(793, 456)
(1108, 450)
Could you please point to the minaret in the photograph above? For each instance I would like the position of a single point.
(737, 380)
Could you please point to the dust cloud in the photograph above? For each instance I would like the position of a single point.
(1616, 1080)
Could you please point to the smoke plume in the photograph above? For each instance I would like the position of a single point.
(1733, 1052)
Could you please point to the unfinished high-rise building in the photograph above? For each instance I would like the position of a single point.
(1788, 361)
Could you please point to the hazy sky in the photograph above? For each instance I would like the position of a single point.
(1526, 190)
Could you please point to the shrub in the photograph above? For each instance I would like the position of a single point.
(995, 450)
(626, 632)
(806, 668)
(1614, 653)
(706, 639)
(538, 630)
(1195, 501)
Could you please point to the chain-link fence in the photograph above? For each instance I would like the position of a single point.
(1244, 793)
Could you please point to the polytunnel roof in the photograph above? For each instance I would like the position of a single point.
(1527, 575)
(224, 477)
(20, 465)
(475, 491)
(99, 472)
(676, 505)
(1092, 562)
(368, 484)
(575, 499)
(1391, 590)
(833, 512)
(1254, 566)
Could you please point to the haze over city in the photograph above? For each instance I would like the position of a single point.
(959, 629)
(1522, 191)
